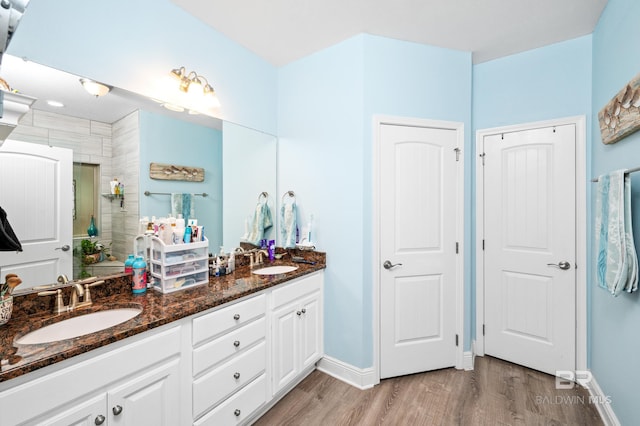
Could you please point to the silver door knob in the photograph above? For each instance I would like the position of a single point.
(236, 375)
(564, 265)
(388, 265)
(64, 247)
(99, 419)
(117, 410)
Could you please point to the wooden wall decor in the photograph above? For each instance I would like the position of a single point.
(173, 172)
(621, 116)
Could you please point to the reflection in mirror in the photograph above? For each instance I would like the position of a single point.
(118, 135)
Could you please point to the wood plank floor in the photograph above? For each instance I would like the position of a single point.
(495, 393)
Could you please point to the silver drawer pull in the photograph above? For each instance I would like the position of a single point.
(236, 375)
(237, 413)
(117, 410)
(236, 343)
(236, 317)
(99, 419)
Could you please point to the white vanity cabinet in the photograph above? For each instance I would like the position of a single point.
(133, 384)
(297, 331)
(225, 366)
(229, 362)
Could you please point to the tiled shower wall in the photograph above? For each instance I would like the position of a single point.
(125, 165)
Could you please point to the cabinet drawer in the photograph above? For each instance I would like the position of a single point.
(289, 292)
(214, 323)
(225, 346)
(221, 382)
(239, 407)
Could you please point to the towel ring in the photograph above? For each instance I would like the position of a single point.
(264, 194)
(291, 194)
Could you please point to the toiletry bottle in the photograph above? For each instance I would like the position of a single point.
(232, 262)
(178, 231)
(128, 264)
(139, 275)
(272, 250)
(187, 234)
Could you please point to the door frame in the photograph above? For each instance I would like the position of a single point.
(581, 229)
(378, 121)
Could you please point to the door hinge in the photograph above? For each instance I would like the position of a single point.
(457, 150)
(457, 247)
(483, 245)
(456, 340)
(482, 156)
(483, 329)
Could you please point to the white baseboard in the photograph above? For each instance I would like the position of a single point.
(468, 359)
(361, 378)
(602, 404)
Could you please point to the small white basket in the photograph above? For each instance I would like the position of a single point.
(6, 307)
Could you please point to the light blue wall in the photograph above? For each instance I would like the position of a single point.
(615, 342)
(133, 44)
(413, 80)
(326, 107)
(541, 84)
(320, 152)
(169, 141)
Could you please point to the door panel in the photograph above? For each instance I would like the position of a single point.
(417, 232)
(530, 228)
(36, 193)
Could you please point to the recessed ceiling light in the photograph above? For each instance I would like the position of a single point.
(55, 104)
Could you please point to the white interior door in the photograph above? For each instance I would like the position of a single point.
(36, 192)
(418, 202)
(530, 247)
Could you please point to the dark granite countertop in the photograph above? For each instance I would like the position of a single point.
(32, 312)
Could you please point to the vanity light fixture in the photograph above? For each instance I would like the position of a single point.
(191, 82)
(94, 88)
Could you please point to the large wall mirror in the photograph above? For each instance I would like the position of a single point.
(118, 136)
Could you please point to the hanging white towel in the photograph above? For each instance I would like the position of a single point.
(617, 262)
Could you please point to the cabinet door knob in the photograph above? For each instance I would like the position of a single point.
(237, 413)
(298, 313)
(99, 419)
(236, 376)
(304, 310)
(117, 410)
(236, 343)
(236, 317)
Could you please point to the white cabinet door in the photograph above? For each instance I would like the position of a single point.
(297, 333)
(151, 399)
(285, 334)
(311, 347)
(88, 413)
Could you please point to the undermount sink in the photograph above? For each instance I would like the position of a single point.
(79, 326)
(274, 270)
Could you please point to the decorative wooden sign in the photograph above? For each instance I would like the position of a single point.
(172, 172)
(621, 116)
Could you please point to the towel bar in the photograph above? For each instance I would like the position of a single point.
(632, 170)
(147, 193)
